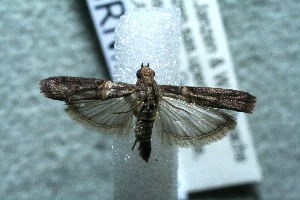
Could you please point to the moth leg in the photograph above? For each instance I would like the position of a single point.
(134, 144)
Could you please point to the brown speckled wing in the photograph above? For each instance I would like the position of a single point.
(66, 88)
(212, 97)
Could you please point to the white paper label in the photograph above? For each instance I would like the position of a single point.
(105, 15)
(205, 61)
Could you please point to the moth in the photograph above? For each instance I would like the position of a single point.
(182, 115)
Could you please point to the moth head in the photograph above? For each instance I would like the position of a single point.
(145, 71)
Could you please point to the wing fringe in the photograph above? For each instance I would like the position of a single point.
(76, 116)
(201, 140)
(180, 126)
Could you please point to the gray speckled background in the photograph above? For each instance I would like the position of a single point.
(45, 155)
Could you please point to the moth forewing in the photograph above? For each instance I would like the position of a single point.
(66, 88)
(212, 97)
